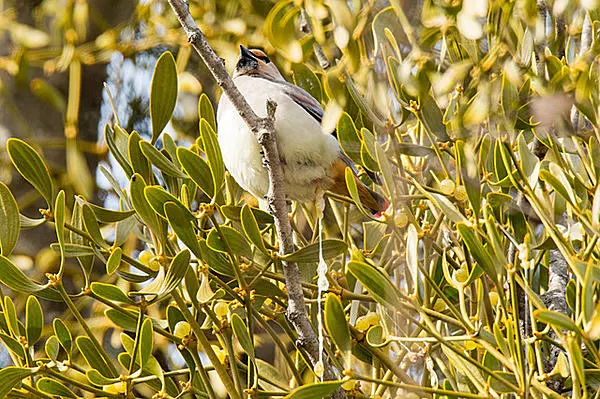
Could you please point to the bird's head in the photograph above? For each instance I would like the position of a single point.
(255, 62)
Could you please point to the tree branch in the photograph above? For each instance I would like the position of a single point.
(264, 130)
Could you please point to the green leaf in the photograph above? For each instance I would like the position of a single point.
(213, 155)
(160, 161)
(11, 222)
(92, 227)
(349, 138)
(468, 171)
(31, 166)
(114, 260)
(314, 390)
(374, 336)
(34, 320)
(163, 93)
(110, 136)
(304, 77)
(281, 30)
(310, 253)
(63, 334)
(13, 345)
(175, 274)
(482, 255)
(52, 347)
(233, 241)
(29, 223)
(11, 317)
(197, 169)
(206, 111)
(556, 320)
(146, 341)
(110, 292)
(414, 150)
(430, 115)
(125, 320)
(59, 225)
(573, 346)
(337, 326)
(377, 283)
(104, 215)
(138, 160)
(241, 333)
(447, 207)
(251, 229)
(73, 250)
(182, 226)
(92, 356)
(96, 378)
(142, 207)
(11, 376)
(157, 198)
(16, 280)
(53, 387)
(216, 261)
(554, 180)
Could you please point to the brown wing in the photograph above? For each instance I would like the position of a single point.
(369, 198)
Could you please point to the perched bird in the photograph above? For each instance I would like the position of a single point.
(310, 158)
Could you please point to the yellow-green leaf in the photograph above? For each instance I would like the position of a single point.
(31, 166)
(163, 93)
(337, 326)
(197, 169)
(11, 222)
(314, 390)
(34, 320)
(11, 376)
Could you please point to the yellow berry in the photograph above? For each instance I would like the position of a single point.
(182, 329)
(461, 275)
(439, 305)
(145, 256)
(220, 353)
(319, 369)
(348, 385)
(401, 219)
(221, 309)
(461, 194)
(372, 318)
(470, 345)
(362, 324)
(447, 186)
(494, 298)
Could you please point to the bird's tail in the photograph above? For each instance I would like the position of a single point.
(375, 202)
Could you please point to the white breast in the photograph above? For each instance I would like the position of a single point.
(307, 151)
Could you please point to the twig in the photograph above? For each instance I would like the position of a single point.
(264, 130)
(306, 27)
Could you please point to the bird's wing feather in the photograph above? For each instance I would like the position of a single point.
(304, 99)
(314, 109)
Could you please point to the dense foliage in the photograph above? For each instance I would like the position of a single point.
(481, 280)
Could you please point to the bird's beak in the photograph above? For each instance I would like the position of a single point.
(245, 53)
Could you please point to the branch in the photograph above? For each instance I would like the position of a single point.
(264, 130)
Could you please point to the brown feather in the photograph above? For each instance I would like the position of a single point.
(337, 184)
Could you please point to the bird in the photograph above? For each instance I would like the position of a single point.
(312, 160)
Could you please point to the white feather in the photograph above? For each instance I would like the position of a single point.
(307, 151)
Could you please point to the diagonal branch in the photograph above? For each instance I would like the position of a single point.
(264, 130)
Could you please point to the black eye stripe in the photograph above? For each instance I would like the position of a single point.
(263, 58)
